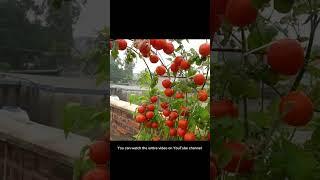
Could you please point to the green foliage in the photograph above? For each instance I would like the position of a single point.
(260, 35)
(276, 150)
(82, 118)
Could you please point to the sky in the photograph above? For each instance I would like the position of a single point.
(94, 16)
(140, 65)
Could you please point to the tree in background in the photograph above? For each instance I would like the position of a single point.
(37, 30)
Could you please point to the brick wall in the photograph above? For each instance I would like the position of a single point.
(123, 126)
(19, 163)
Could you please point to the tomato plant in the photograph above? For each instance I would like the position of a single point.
(176, 104)
(265, 102)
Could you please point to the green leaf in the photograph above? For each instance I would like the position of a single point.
(262, 119)
(77, 117)
(315, 52)
(115, 50)
(81, 166)
(261, 35)
(314, 71)
(237, 87)
(283, 6)
(253, 90)
(225, 157)
(100, 116)
(154, 82)
(236, 132)
(316, 137)
(301, 164)
(273, 108)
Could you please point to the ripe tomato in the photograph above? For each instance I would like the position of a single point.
(181, 132)
(96, 174)
(160, 70)
(149, 115)
(183, 124)
(166, 112)
(168, 92)
(122, 44)
(169, 123)
(297, 108)
(141, 109)
(164, 105)
(286, 56)
(150, 107)
(185, 65)
(153, 58)
(99, 152)
(173, 115)
(145, 49)
(166, 83)
(179, 95)
(159, 44)
(154, 125)
(219, 6)
(172, 132)
(189, 137)
(239, 159)
(224, 108)
(168, 48)
(148, 124)
(240, 12)
(154, 99)
(178, 60)
(152, 42)
(202, 95)
(174, 67)
(199, 79)
(140, 118)
(204, 49)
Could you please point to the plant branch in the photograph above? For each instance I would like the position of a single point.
(292, 134)
(168, 72)
(143, 61)
(245, 59)
(208, 68)
(262, 97)
(298, 79)
(245, 116)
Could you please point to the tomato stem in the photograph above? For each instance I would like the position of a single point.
(245, 105)
(314, 23)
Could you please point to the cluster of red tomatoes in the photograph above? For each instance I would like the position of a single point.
(296, 108)
(99, 153)
(145, 112)
(239, 163)
(177, 128)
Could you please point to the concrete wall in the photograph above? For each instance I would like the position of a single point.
(45, 100)
(31, 151)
